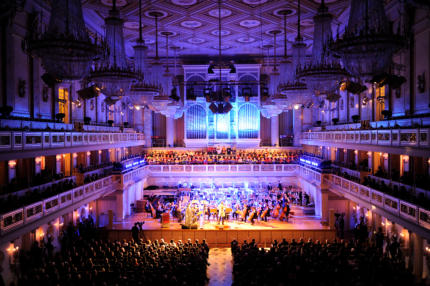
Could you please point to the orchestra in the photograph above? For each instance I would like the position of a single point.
(244, 205)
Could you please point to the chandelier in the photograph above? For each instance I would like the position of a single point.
(142, 88)
(367, 47)
(153, 78)
(292, 88)
(113, 74)
(324, 73)
(65, 47)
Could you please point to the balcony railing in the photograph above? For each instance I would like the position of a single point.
(384, 137)
(27, 214)
(28, 140)
(231, 169)
(393, 205)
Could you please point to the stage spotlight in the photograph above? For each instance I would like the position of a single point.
(226, 93)
(211, 67)
(232, 67)
(264, 92)
(174, 95)
(207, 93)
(89, 92)
(226, 107)
(50, 80)
(213, 107)
(246, 93)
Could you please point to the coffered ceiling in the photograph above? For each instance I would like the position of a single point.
(245, 24)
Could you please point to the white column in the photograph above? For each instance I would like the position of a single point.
(369, 160)
(418, 255)
(138, 119)
(274, 137)
(88, 158)
(12, 169)
(297, 125)
(74, 160)
(170, 131)
(37, 165)
(385, 156)
(58, 159)
(147, 127)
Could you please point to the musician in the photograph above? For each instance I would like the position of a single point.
(221, 213)
(265, 213)
(236, 210)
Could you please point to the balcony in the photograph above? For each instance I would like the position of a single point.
(397, 207)
(37, 210)
(15, 141)
(223, 170)
(416, 138)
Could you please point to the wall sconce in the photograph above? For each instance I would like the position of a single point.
(296, 106)
(75, 155)
(12, 164)
(369, 153)
(38, 160)
(58, 157)
(12, 249)
(88, 153)
(100, 151)
(405, 158)
(385, 156)
(355, 152)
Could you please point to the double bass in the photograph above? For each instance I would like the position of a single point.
(264, 213)
(244, 211)
(284, 213)
(252, 215)
(276, 211)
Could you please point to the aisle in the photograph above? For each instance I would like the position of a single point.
(221, 266)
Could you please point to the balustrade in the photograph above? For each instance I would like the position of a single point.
(386, 137)
(395, 206)
(28, 140)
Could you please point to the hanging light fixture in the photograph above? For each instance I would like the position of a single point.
(167, 75)
(143, 88)
(218, 92)
(292, 88)
(324, 73)
(65, 47)
(367, 47)
(274, 74)
(154, 72)
(113, 74)
(284, 63)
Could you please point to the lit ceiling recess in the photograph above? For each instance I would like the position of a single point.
(65, 47)
(324, 73)
(112, 73)
(366, 48)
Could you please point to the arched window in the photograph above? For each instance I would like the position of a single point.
(196, 122)
(249, 121)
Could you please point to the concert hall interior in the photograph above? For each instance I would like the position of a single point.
(214, 142)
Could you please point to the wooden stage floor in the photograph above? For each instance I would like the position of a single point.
(263, 232)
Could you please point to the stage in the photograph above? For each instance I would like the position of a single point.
(263, 232)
